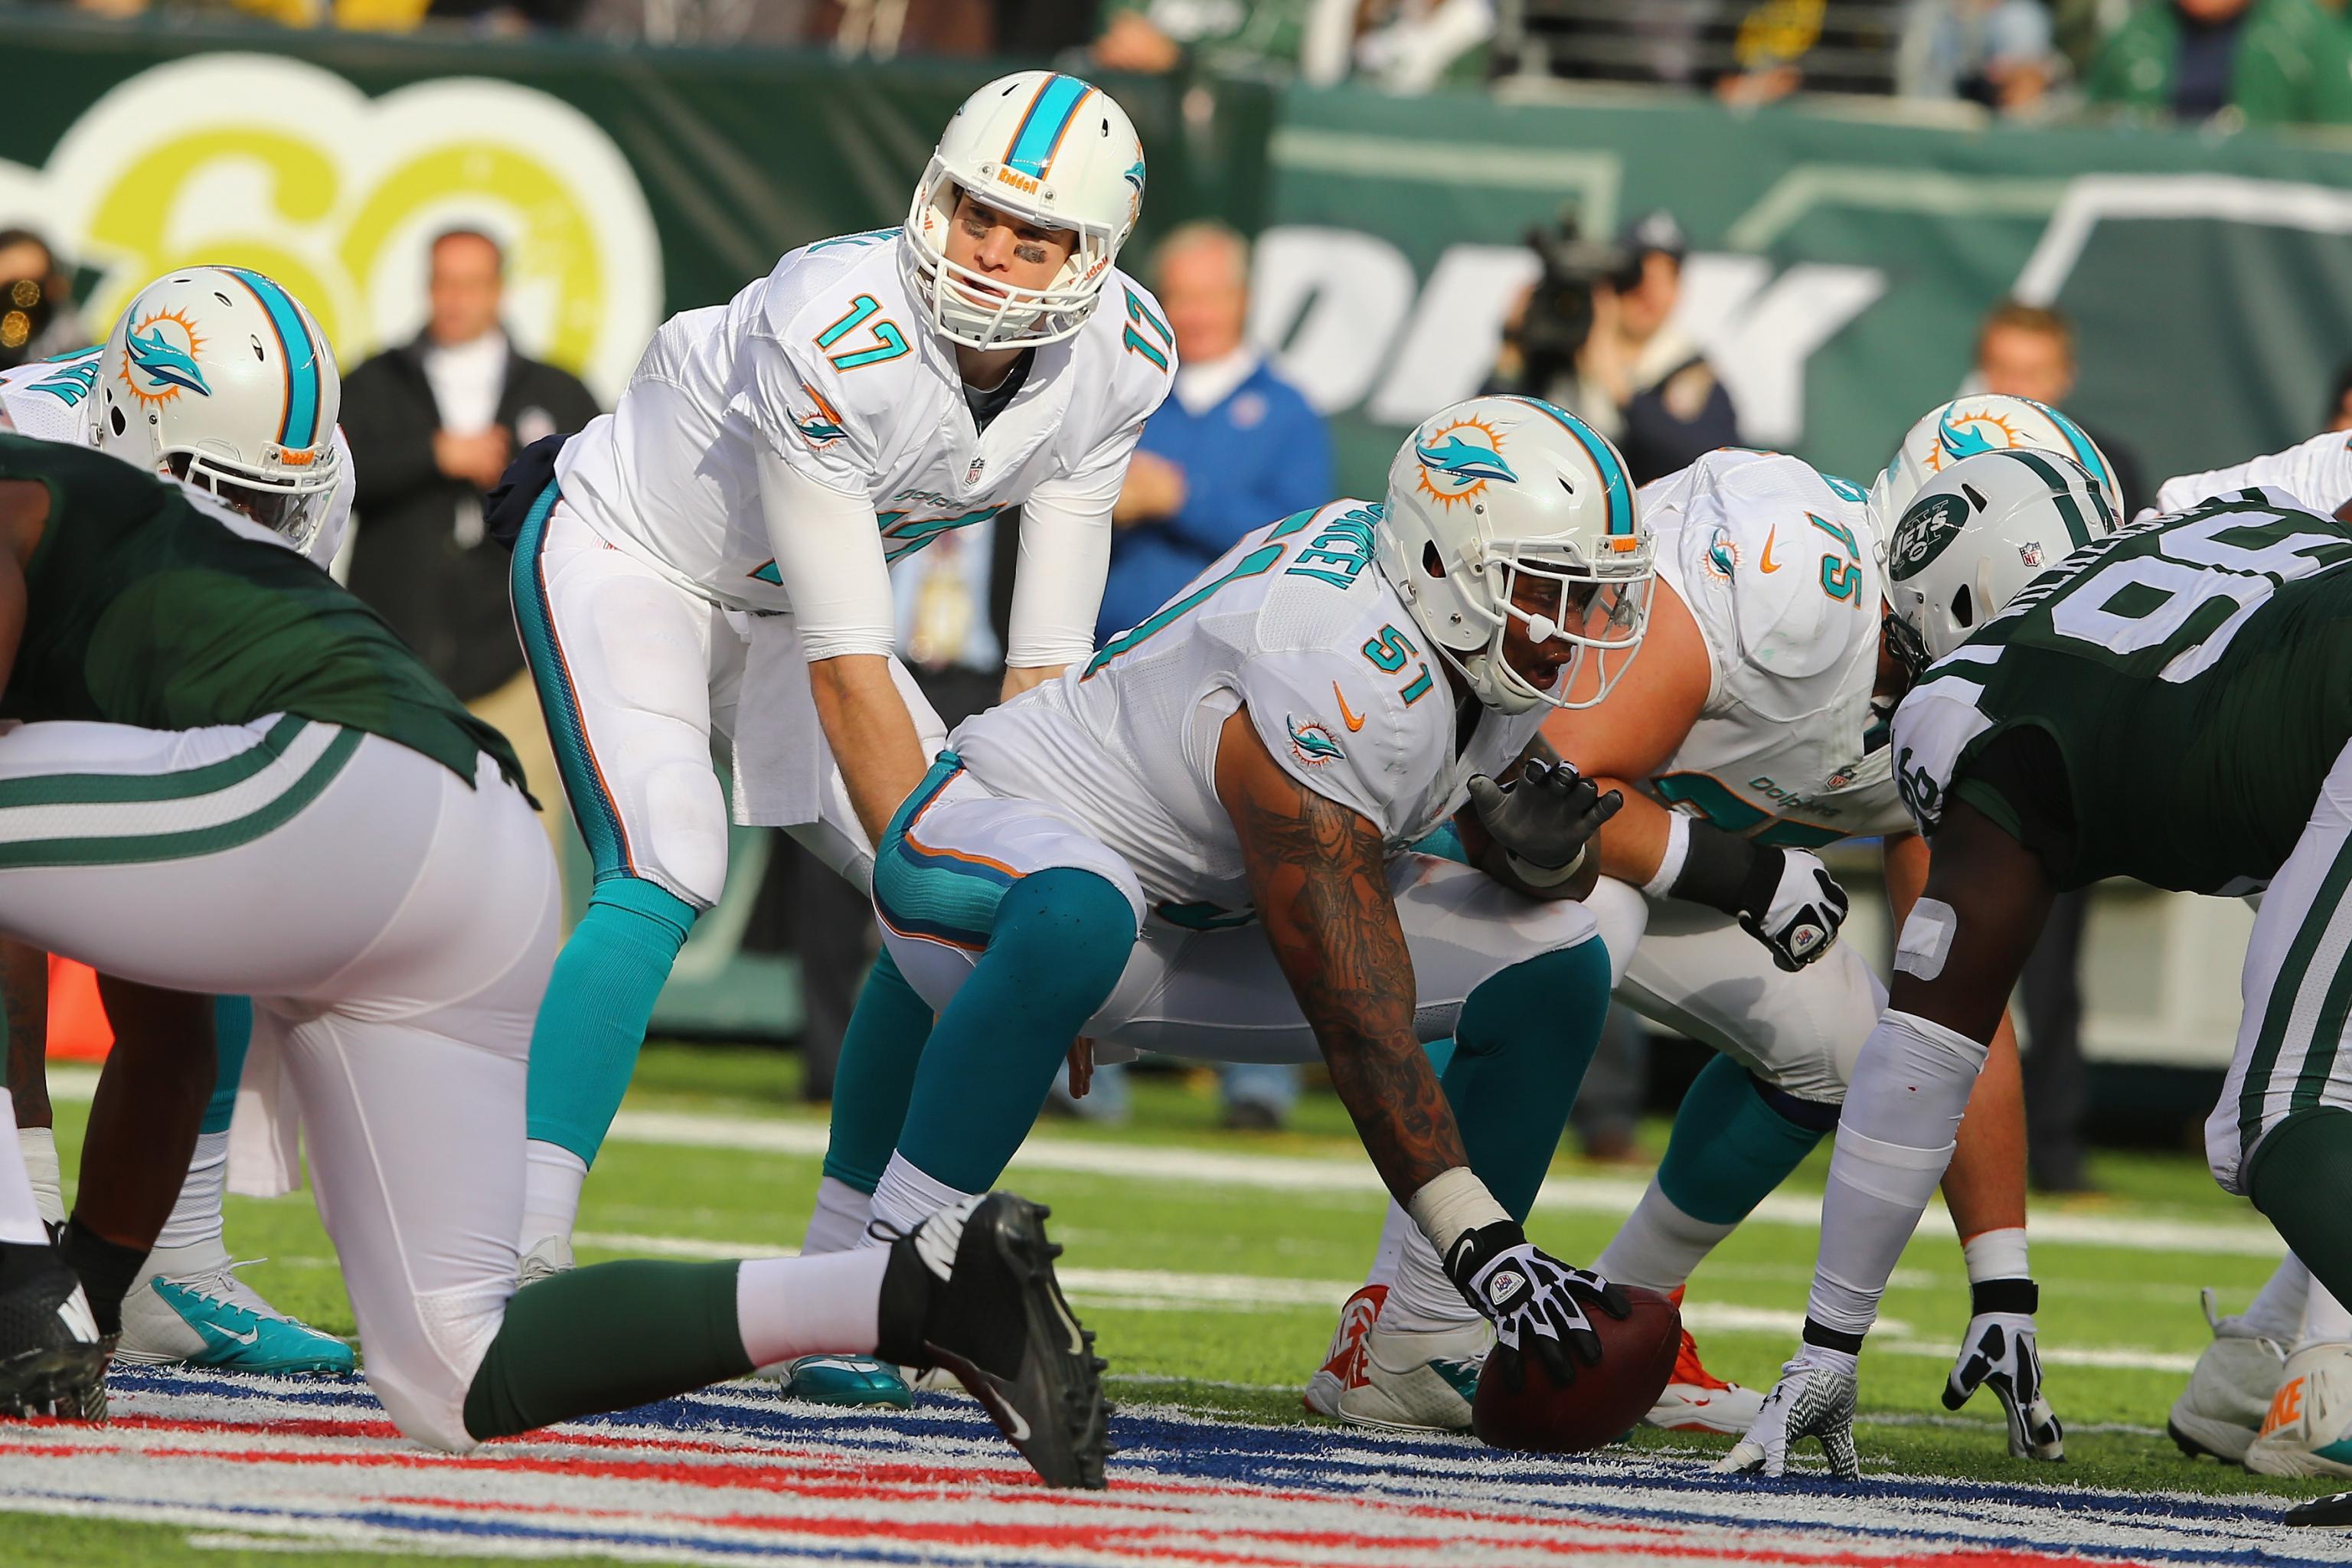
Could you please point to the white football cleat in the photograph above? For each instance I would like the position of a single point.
(1343, 1363)
(186, 1306)
(2228, 1392)
(1695, 1400)
(548, 1256)
(1418, 1380)
(2305, 1431)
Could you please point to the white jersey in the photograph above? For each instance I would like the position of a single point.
(1778, 566)
(45, 400)
(1296, 622)
(2318, 473)
(824, 362)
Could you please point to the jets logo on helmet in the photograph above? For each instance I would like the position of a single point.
(1459, 461)
(1972, 427)
(1054, 151)
(160, 358)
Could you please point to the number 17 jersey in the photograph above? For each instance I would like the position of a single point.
(2193, 677)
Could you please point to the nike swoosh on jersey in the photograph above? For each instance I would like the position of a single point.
(1348, 716)
(1767, 563)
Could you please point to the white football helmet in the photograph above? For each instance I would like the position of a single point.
(1499, 488)
(1986, 527)
(218, 376)
(1965, 426)
(1053, 150)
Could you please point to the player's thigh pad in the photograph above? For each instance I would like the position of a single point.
(625, 661)
(951, 854)
(1221, 994)
(2291, 1052)
(1622, 914)
(1698, 973)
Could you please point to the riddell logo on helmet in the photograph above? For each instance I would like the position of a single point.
(1017, 180)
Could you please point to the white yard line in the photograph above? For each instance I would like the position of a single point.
(1612, 1195)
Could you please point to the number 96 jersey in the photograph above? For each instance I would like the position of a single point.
(2174, 694)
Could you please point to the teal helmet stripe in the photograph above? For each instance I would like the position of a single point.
(300, 353)
(1043, 128)
(1615, 482)
(2086, 451)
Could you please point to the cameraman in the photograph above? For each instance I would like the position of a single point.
(1593, 336)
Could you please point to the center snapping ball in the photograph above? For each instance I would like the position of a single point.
(1604, 1403)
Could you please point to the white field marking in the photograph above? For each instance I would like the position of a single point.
(1612, 1195)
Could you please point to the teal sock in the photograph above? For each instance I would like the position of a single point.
(871, 1085)
(1525, 1038)
(1734, 1142)
(599, 1000)
(2297, 1177)
(1056, 948)
(231, 1033)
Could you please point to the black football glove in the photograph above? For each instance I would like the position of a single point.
(1546, 815)
(1537, 1303)
(1792, 905)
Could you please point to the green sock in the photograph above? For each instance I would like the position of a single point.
(606, 1337)
(1734, 1142)
(600, 997)
(1525, 1037)
(879, 1053)
(2298, 1177)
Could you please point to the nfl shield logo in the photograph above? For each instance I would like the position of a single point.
(972, 477)
(2030, 555)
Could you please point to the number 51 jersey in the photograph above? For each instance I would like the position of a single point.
(2193, 677)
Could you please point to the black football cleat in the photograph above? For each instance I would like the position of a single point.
(2323, 1513)
(971, 1290)
(52, 1357)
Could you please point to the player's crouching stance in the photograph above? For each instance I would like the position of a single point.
(2167, 704)
(1200, 842)
(236, 779)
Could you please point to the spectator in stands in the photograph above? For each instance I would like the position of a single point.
(2339, 408)
(2027, 350)
(1405, 46)
(432, 425)
(2269, 62)
(1235, 447)
(57, 328)
(1994, 52)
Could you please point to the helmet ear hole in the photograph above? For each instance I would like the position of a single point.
(1430, 561)
(114, 413)
(1976, 497)
(1963, 608)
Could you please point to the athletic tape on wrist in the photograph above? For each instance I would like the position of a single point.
(1926, 939)
(1678, 828)
(1718, 867)
(1535, 876)
(1452, 1204)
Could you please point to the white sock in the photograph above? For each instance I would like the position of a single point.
(552, 1176)
(2276, 1312)
(906, 1198)
(788, 1307)
(839, 1222)
(20, 1216)
(196, 1216)
(1396, 1228)
(1422, 1298)
(1658, 1244)
(2325, 1319)
(39, 1147)
(1996, 1255)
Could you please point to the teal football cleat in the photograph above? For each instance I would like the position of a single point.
(846, 1380)
(176, 1316)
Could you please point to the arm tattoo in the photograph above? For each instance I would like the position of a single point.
(1319, 874)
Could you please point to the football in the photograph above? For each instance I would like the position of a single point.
(1603, 1402)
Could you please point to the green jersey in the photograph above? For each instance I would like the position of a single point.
(147, 607)
(2190, 678)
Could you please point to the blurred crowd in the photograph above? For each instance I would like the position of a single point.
(2229, 62)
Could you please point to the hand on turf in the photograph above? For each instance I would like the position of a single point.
(1546, 815)
(1814, 1398)
(1792, 905)
(1999, 1353)
(1537, 1303)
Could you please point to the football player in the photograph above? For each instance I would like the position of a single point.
(232, 777)
(713, 555)
(1200, 841)
(1752, 734)
(218, 376)
(2163, 702)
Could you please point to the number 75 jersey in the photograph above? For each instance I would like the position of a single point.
(2193, 677)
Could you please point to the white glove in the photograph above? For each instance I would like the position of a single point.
(1998, 1353)
(1792, 905)
(1814, 1398)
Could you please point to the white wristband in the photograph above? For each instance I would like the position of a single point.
(1535, 876)
(1678, 832)
(1453, 1204)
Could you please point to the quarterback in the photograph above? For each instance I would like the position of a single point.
(218, 375)
(714, 555)
(2162, 701)
(1200, 841)
(206, 720)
